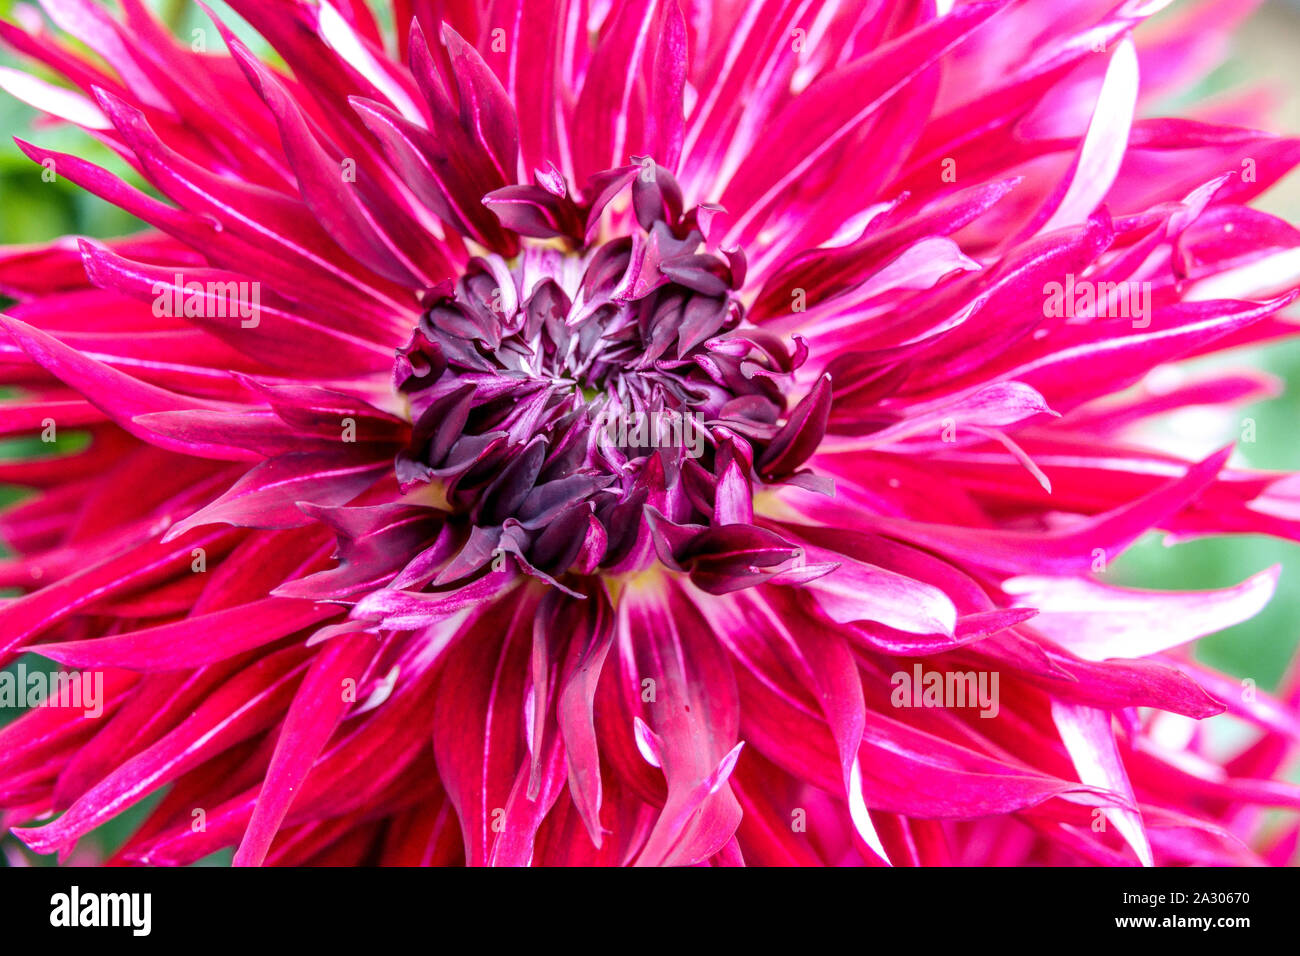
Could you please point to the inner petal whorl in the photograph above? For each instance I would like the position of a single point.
(557, 395)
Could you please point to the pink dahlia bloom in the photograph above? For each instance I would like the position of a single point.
(647, 431)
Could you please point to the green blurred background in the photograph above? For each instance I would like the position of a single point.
(1265, 52)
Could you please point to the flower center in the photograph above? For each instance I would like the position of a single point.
(557, 395)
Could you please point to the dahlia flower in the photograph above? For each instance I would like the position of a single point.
(639, 432)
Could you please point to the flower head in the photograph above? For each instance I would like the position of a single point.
(641, 432)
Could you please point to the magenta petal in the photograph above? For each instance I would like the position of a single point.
(317, 708)
(1091, 742)
(118, 395)
(242, 706)
(269, 494)
(195, 641)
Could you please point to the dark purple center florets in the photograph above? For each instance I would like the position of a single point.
(557, 396)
